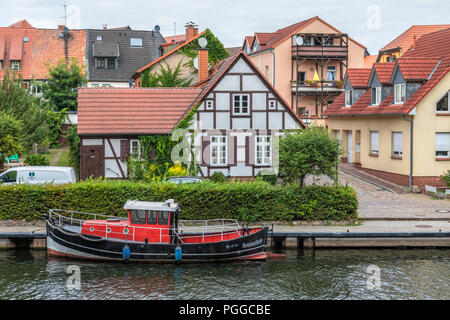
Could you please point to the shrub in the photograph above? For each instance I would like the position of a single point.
(244, 200)
(445, 177)
(218, 177)
(36, 160)
(269, 178)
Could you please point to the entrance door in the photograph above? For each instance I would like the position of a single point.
(349, 147)
(92, 161)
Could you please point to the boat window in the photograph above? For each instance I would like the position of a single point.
(152, 217)
(163, 218)
(137, 216)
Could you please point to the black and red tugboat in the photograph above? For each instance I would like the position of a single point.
(152, 232)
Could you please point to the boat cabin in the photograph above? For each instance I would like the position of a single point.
(148, 222)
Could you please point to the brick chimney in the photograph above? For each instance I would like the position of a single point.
(61, 27)
(191, 30)
(105, 27)
(202, 64)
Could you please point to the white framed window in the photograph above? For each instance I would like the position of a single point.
(331, 73)
(374, 147)
(241, 103)
(348, 98)
(263, 150)
(397, 144)
(376, 96)
(209, 104)
(272, 104)
(136, 42)
(135, 148)
(399, 93)
(442, 105)
(218, 149)
(15, 65)
(99, 38)
(442, 145)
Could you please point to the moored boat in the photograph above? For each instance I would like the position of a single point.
(152, 232)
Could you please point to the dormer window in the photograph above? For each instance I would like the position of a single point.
(348, 98)
(99, 38)
(399, 93)
(256, 46)
(136, 42)
(376, 96)
(442, 105)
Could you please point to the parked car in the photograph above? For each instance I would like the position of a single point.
(38, 175)
(178, 180)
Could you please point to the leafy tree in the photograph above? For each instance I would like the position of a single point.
(61, 88)
(309, 151)
(10, 137)
(23, 106)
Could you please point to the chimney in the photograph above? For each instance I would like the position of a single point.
(61, 27)
(191, 30)
(202, 64)
(105, 27)
(414, 41)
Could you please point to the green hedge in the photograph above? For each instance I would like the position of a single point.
(206, 200)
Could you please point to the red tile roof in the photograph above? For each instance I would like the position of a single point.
(406, 39)
(417, 68)
(421, 61)
(22, 24)
(176, 38)
(384, 71)
(264, 37)
(281, 35)
(132, 110)
(358, 77)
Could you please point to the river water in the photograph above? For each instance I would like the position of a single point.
(319, 274)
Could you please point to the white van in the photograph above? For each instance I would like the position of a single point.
(38, 175)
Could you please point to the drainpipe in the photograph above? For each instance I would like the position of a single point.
(273, 67)
(411, 128)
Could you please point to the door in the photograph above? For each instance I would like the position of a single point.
(92, 161)
(349, 147)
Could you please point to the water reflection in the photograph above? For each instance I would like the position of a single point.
(320, 274)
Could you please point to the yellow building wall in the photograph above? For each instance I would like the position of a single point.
(186, 72)
(426, 124)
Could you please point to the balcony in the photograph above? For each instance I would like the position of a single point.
(317, 87)
(338, 52)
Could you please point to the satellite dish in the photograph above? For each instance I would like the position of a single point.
(202, 42)
(157, 28)
(299, 40)
(196, 63)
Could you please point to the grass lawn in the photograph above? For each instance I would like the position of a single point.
(63, 159)
(52, 154)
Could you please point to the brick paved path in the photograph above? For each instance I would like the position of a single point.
(377, 203)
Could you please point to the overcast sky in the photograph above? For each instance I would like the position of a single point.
(373, 23)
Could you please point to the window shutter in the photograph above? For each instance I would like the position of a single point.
(443, 142)
(397, 142)
(231, 152)
(124, 149)
(249, 150)
(206, 152)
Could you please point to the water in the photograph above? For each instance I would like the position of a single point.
(320, 274)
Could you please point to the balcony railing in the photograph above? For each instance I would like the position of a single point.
(317, 86)
(317, 51)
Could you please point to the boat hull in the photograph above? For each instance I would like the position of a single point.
(63, 243)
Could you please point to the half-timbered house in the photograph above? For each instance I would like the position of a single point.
(237, 118)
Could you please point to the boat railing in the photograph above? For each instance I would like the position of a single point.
(188, 228)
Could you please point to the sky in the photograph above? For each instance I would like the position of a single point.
(373, 23)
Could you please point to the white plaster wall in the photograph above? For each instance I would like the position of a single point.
(206, 120)
(275, 120)
(259, 101)
(259, 120)
(111, 169)
(222, 120)
(241, 123)
(289, 122)
(229, 83)
(222, 101)
(241, 67)
(116, 145)
(241, 171)
(252, 83)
